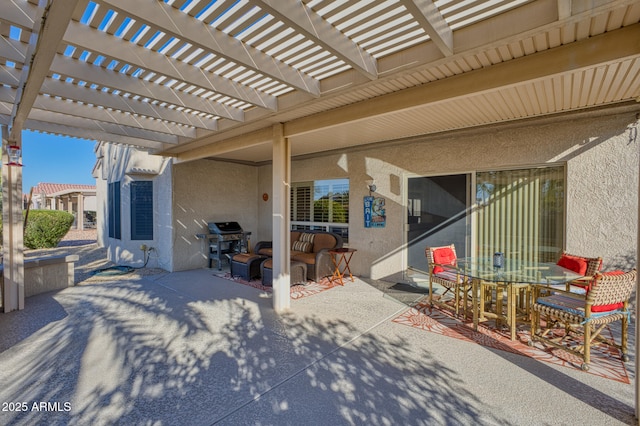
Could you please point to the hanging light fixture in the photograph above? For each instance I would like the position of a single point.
(14, 152)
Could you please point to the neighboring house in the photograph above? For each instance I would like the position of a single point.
(530, 188)
(79, 200)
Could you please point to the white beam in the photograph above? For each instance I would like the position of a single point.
(184, 27)
(305, 21)
(600, 49)
(10, 76)
(120, 103)
(58, 129)
(430, 18)
(98, 126)
(247, 140)
(87, 38)
(20, 13)
(13, 50)
(103, 115)
(46, 36)
(564, 9)
(115, 80)
(281, 223)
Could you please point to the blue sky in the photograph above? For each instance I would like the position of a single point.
(56, 159)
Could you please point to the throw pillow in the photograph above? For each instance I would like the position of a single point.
(303, 246)
(574, 263)
(307, 237)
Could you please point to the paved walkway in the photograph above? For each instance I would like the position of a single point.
(190, 348)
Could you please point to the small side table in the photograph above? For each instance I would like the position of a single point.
(341, 258)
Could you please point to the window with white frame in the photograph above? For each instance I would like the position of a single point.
(321, 205)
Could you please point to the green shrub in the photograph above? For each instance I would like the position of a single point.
(45, 228)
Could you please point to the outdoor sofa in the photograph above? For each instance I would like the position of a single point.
(311, 248)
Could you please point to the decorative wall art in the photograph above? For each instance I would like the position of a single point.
(375, 215)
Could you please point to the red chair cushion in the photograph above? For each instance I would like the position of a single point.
(612, 306)
(574, 263)
(607, 308)
(443, 256)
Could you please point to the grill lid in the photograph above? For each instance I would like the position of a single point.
(224, 227)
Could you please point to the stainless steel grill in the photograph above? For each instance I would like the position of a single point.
(224, 239)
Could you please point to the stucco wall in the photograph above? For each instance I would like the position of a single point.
(126, 164)
(210, 191)
(265, 218)
(601, 153)
(600, 150)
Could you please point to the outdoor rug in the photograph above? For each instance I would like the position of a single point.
(605, 361)
(298, 291)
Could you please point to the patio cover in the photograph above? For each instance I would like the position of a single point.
(187, 78)
(265, 80)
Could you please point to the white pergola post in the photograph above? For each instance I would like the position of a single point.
(281, 219)
(80, 217)
(637, 337)
(12, 231)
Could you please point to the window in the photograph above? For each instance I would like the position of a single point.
(114, 210)
(321, 205)
(142, 210)
(521, 213)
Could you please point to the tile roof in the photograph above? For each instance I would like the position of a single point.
(55, 188)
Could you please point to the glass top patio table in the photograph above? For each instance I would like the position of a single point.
(514, 275)
(515, 271)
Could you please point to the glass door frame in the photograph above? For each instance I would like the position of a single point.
(470, 217)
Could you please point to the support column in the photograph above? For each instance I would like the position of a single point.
(80, 217)
(12, 232)
(637, 337)
(281, 220)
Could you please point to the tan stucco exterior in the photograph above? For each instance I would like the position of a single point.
(126, 164)
(210, 191)
(599, 149)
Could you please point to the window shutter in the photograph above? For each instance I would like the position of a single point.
(142, 210)
(301, 203)
(114, 210)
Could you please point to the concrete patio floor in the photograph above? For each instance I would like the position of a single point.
(190, 348)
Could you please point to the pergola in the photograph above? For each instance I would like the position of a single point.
(265, 80)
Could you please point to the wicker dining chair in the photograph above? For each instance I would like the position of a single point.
(557, 317)
(585, 266)
(441, 262)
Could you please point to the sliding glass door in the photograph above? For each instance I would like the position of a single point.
(437, 214)
(518, 212)
(521, 213)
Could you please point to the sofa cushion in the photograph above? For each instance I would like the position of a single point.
(323, 241)
(303, 246)
(245, 257)
(266, 251)
(308, 258)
